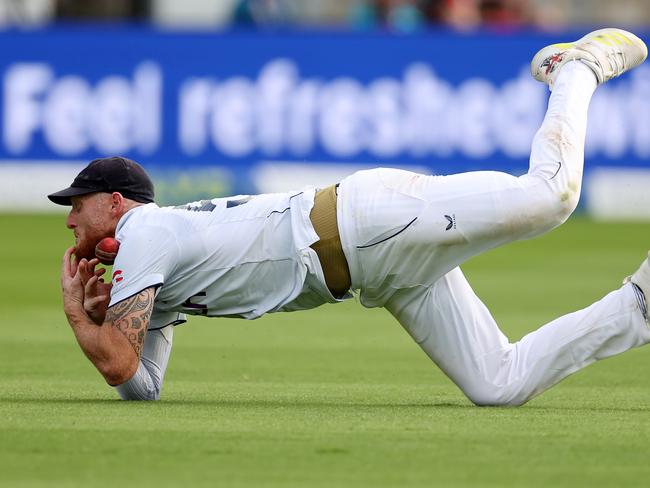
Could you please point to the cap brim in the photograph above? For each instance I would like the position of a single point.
(63, 197)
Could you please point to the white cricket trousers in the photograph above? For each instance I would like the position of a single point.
(404, 236)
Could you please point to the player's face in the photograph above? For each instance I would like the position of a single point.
(90, 220)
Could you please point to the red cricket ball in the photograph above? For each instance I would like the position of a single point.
(106, 250)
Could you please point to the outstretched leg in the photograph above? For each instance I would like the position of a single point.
(457, 332)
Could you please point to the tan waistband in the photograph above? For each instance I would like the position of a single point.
(328, 247)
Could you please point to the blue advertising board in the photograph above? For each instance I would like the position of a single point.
(447, 101)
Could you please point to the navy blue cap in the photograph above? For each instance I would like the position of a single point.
(108, 175)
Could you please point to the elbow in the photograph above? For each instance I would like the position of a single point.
(116, 373)
(142, 386)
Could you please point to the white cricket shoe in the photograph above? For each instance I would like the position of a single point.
(608, 52)
(641, 278)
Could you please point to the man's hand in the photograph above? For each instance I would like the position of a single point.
(71, 285)
(115, 345)
(97, 294)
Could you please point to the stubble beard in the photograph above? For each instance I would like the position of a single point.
(84, 249)
(85, 245)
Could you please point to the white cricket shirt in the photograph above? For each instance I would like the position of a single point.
(239, 256)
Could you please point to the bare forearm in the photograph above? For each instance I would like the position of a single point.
(104, 346)
(114, 345)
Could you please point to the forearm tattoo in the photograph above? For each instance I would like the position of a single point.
(131, 317)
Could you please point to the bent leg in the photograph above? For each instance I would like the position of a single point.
(455, 329)
(497, 208)
(400, 229)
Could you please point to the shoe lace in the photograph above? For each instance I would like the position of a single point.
(619, 62)
(615, 57)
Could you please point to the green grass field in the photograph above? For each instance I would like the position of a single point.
(338, 396)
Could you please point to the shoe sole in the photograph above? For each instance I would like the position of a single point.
(606, 36)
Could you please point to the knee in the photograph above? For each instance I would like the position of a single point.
(550, 205)
(491, 395)
(563, 199)
(558, 208)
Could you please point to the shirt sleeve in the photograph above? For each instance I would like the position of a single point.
(146, 257)
(161, 319)
(146, 384)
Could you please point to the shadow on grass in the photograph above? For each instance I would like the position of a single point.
(43, 400)
(226, 403)
(302, 403)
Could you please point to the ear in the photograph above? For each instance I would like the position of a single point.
(117, 203)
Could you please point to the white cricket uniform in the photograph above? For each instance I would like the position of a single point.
(241, 256)
(404, 236)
